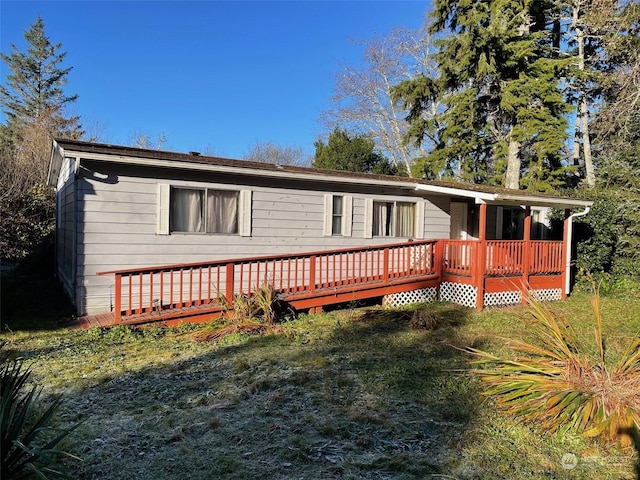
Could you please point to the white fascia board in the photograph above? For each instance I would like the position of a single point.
(180, 165)
(479, 197)
(542, 201)
(506, 199)
(55, 164)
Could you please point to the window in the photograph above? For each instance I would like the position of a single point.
(539, 225)
(393, 219)
(338, 211)
(336, 217)
(203, 211)
(510, 223)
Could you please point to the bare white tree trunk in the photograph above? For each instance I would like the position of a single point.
(590, 176)
(362, 102)
(512, 178)
(582, 119)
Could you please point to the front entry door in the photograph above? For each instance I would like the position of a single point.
(459, 221)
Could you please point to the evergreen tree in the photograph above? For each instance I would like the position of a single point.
(353, 154)
(581, 84)
(617, 25)
(503, 114)
(609, 237)
(34, 84)
(34, 103)
(610, 243)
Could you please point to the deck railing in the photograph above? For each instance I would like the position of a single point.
(212, 285)
(459, 256)
(503, 257)
(547, 257)
(150, 289)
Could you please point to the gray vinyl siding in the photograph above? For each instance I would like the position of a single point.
(117, 225)
(65, 231)
(437, 222)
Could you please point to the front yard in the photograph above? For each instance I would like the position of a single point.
(357, 393)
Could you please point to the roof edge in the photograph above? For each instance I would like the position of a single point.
(167, 159)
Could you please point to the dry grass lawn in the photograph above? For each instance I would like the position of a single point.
(357, 393)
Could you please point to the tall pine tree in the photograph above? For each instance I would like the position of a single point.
(503, 117)
(34, 84)
(34, 104)
(611, 241)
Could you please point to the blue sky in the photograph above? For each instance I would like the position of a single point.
(214, 76)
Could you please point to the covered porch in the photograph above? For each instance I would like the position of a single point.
(485, 272)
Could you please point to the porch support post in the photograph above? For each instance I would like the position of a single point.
(526, 254)
(566, 247)
(480, 254)
(437, 259)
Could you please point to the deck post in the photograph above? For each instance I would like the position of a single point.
(312, 274)
(437, 258)
(117, 308)
(480, 254)
(566, 251)
(385, 266)
(526, 254)
(230, 280)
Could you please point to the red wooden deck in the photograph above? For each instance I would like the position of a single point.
(197, 292)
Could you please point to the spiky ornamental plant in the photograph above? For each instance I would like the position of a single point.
(28, 447)
(554, 383)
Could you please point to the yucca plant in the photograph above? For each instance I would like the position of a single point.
(554, 383)
(27, 441)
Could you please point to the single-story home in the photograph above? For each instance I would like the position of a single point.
(123, 208)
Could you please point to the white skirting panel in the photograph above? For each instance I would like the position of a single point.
(423, 295)
(459, 293)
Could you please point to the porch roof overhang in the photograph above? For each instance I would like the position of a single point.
(171, 160)
(513, 197)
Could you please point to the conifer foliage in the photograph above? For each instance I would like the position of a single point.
(352, 153)
(35, 81)
(34, 103)
(504, 114)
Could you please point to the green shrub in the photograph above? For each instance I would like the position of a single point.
(28, 441)
(608, 238)
(27, 223)
(607, 284)
(555, 384)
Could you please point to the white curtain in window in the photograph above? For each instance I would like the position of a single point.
(405, 216)
(187, 210)
(222, 211)
(381, 219)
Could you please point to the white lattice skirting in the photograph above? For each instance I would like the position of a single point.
(423, 295)
(459, 293)
(501, 299)
(466, 295)
(547, 294)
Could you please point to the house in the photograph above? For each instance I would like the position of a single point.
(130, 209)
